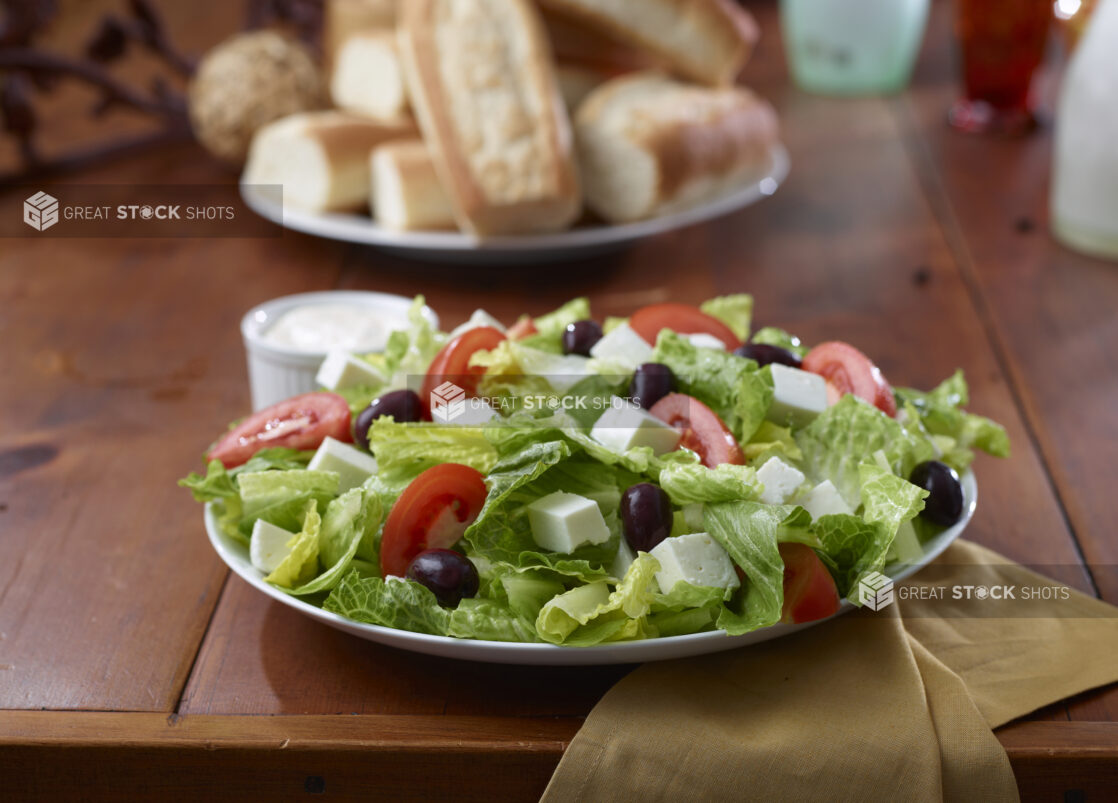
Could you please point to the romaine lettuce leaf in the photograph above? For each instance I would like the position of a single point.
(687, 609)
(349, 529)
(407, 605)
(264, 489)
(489, 620)
(736, 311)
(218, 483)
(409, 352)
(731, 386)
(502, 532)
(941, 413)
(398, 603)
(687, 484)
(549, 327)
(591, 614)
(772, 440)
(749, 532)
(847, 434)
(403, 451)
(772, 336)
(301, 564)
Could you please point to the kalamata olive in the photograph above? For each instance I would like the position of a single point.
(449, 575)
(764, 354)
(652, 381)
(579, 337)
(944, 505)
(646, 516)
(403, 405)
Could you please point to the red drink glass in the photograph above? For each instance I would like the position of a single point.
(1001, 44)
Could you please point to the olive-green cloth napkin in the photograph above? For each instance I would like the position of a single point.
(896, 704)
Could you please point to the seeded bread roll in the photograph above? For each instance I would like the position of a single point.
(649, 145)
(320, 158)
(407, 193)
(367, 78)
(482, 85)
(706, 40)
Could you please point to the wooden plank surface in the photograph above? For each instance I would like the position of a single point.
(1051, 312)
(98, 756)
(892, 233)
(122, 360)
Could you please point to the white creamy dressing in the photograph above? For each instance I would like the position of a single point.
(323, 327)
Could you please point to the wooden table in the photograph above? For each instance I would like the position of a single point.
(132, 663)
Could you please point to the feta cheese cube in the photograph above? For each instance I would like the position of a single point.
(479, 317)
(352, 465)
(562, 371)
(825, 500)
(625, 426)
(780, 480)
(696, 559)
(623, 560)
(476, 413)
(562, 522)
(341, 370)
(268, 546)
(798, 396)
(622, 347)
(704, 341)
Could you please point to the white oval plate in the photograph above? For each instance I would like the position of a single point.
(446, 246)
(235, 556)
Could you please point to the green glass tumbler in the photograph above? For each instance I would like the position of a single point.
(852, 47)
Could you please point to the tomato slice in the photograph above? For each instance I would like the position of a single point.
(301, 422)
(522, 329)
(703, 431)
(847, 370)
(452, 363)
(432, 513)
(682, 319)
(809, 589)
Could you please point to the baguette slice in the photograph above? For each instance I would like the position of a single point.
(320, 158)
(367, 78)
(482, 84)
(342, 18)
(649, 145)
(407, 194)
(706, 40)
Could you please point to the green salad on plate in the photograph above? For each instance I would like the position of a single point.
(573, 482)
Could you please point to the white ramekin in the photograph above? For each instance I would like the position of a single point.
(276, 372)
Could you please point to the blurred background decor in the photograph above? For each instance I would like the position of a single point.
(1001, 44)
(853, 47)
(61, 58)
(1085, 168)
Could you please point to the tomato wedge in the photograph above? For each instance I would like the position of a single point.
(301, 422)
(682, 319)
(432, 513)
(809, 589)
(522, 329)
(452, 363)
(703, 431)
(847, 370)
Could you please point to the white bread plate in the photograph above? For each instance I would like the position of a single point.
(455, 247)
